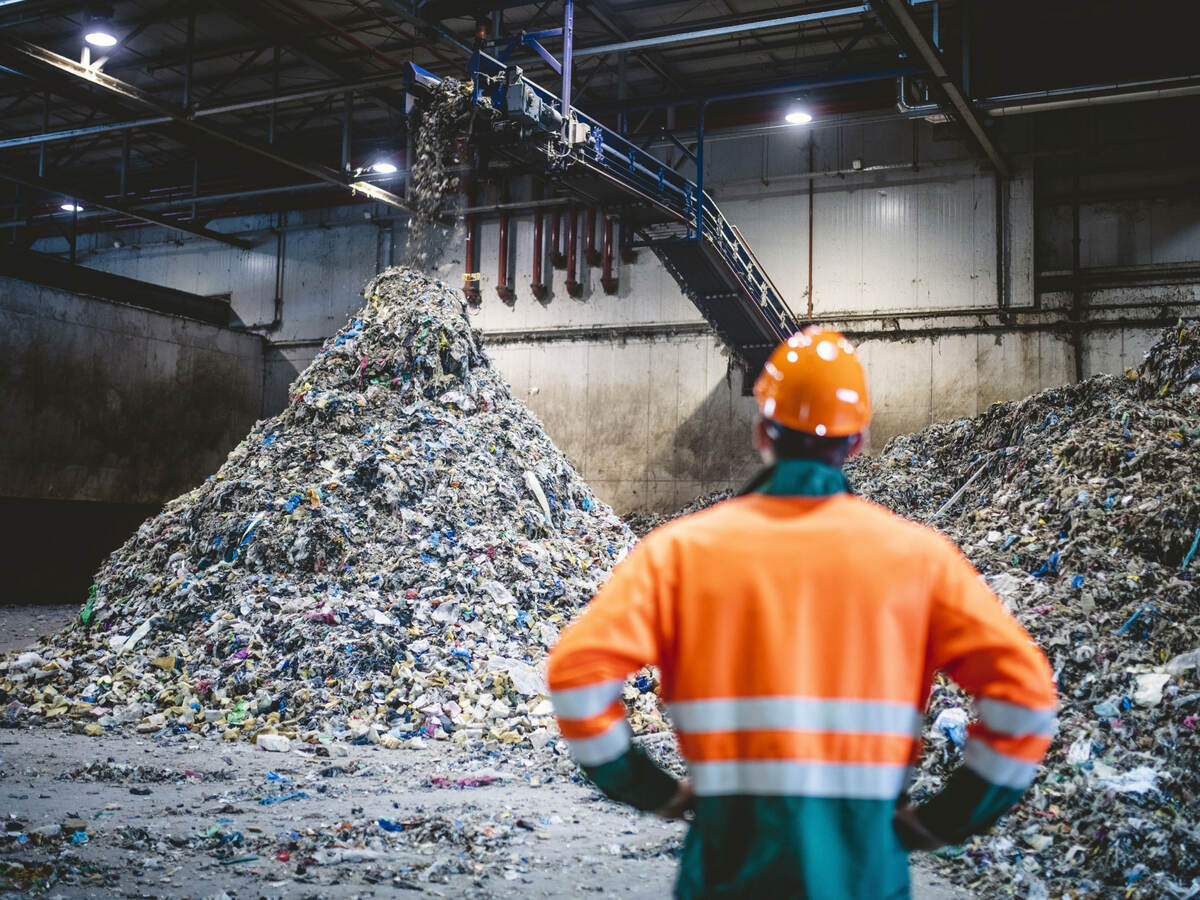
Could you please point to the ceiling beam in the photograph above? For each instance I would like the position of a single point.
(685, 37)
(43, 184)
(16, 52)
(263, 19)
(84, 130)
(897, 18)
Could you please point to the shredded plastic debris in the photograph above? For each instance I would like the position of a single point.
(385, 561)
(1082, 509)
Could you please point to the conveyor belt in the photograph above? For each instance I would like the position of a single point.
(715, 268)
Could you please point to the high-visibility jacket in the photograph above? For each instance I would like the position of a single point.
(797, 632)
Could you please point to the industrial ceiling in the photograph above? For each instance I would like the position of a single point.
(205, 110)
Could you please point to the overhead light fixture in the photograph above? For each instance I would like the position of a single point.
(98, 31)
(798, 115)
(71, 207)
(383, 167)
(100, 38)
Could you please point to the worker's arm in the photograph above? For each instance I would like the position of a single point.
(977, 643)
(617, 634)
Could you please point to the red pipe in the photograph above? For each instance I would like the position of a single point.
(607, 281)
(502, 286)
(538, 285)
(574, 288)
(592, 255)
(470, 273)
(557, 260)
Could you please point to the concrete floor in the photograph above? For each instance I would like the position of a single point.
(159, 831)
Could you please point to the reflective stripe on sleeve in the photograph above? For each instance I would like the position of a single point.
(604, 747)
(796, 714)
(1012, 719)
(1005, 771)
(585, 702)
(804, 779)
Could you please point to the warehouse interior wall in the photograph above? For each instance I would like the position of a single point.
(108, 411)
(960, 291)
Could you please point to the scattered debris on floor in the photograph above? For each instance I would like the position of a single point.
(1081, 505)
(334, 821)
(385, 561)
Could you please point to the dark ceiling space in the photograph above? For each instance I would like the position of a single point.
(178, 124)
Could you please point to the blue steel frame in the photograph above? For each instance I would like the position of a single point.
(628, 164)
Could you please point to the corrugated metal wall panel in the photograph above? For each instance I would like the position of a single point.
(890, 228)
(838, 251)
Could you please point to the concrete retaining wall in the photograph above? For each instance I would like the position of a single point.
(106, 402)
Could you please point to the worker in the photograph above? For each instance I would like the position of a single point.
(797, 630)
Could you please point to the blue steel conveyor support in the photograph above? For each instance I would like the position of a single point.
(672, 215)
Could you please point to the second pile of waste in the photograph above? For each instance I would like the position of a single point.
(1082, 508)
(385, 561)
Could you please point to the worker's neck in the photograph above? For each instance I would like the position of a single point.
(803, 478)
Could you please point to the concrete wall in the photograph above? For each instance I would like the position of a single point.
(105, 402)
(106, 411)
(905, 257)
(650, 423)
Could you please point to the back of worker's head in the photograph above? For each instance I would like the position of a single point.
(812, 396)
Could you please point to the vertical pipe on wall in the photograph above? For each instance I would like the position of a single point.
(187, 65)
(1076, 274)
(538, 285)
(700, 169)
(1003, 285)
(568, 53)
(503, 289)
(811, 217)
(574, 288)
(470, 273)
(347, 113)
(607, 281)
(591, 254)
(557, 260)
(280, 267)
(966, 48)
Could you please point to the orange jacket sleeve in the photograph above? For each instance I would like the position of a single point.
(620, 631)
(976, 642)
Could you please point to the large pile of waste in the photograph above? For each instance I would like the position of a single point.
(385, 560)
(1081, 505)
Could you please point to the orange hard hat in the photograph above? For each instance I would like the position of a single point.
(814, 383)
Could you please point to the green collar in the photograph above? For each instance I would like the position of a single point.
(799, 478)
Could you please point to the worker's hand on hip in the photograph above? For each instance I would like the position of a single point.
(682, 803)
(912, 833)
